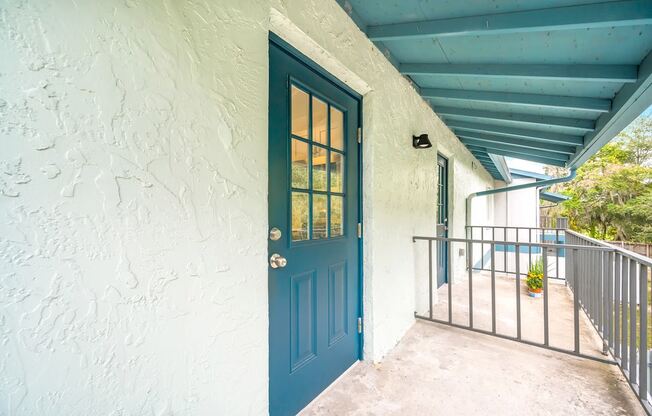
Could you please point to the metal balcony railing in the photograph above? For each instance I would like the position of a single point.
(505, 256)
(614, 291)
(606, 287)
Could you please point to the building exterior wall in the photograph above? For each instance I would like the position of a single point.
(517, 208)
(133, 260)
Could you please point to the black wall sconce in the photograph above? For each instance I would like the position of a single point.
(421, 142)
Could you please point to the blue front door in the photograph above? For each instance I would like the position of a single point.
(314, 288)
(442, 220)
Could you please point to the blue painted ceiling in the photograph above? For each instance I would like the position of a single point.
(543, 80)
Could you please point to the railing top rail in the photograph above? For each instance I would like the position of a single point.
(627, 253)
(514, 227)
(513, 243)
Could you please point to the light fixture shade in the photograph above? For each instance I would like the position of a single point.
(421, 142)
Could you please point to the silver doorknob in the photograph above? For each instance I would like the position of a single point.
(277, 261)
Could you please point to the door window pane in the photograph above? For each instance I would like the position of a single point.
(300, 112)
(319, 166)
(319, 216)
(300, 220)
(337, 215)
(337, 129)
(319, 121)
(337, 172)
(299, 164)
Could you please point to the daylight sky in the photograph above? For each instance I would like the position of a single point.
(538, 167)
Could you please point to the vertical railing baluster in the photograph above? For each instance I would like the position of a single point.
(589, 285)
(642, 347)
(493, 287)
(580, 275)
(430, 277)
(625, 312)
(576, 302)
(470, 251)
(505, 239)
(568, 264)
(646, 273)
(493, 238)
(586, 299)
(602, 299)
(632, 321)
(546, 331)
(557, 254)
(529, 248)
(517, 250)
(597, 283)
(596, 289)
(449, 279)
(608, 318)
(482, 247)
(616, 314)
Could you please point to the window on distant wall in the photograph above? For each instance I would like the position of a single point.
(317, 177)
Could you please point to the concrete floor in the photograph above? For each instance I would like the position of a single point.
(560, 311)
(440, 370)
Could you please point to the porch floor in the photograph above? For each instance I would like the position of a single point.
(560, 311)
(441, 370)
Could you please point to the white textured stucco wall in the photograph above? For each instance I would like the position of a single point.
(133, 208)
(133, 211)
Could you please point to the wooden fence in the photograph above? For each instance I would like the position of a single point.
(644, 249)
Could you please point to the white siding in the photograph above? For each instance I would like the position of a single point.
(517, 208)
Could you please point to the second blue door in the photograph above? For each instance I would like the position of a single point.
(314, 288)
(442, 220)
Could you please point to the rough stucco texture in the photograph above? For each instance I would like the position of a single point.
(133, 211)
(133, 208)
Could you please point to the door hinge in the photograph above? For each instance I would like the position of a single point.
(359, 325)
(359, 134)
(359, 230)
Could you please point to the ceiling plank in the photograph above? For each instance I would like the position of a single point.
(515, 149)
(581, 125)
(563, 139)
(522, 156)
(598, 105)
(517, 143)
(594, 73)
(587, 16)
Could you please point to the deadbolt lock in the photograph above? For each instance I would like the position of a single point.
(275, 234)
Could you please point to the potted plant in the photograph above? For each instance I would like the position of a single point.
(534, 279)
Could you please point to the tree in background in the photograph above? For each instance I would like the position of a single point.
(611, 197)
(637, 140)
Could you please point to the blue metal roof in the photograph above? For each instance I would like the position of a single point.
(519, 173)
(549, 81)
(553, 197)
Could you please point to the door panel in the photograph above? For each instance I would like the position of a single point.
(442, 220)
(314, 300)
(337, 305)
